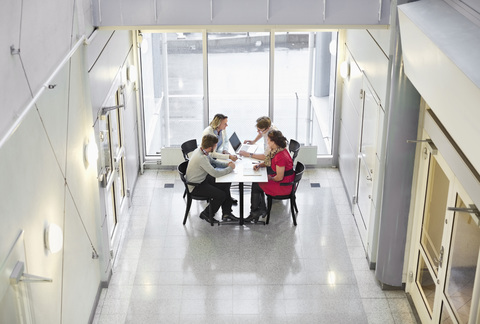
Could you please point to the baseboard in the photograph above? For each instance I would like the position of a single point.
(101, 286)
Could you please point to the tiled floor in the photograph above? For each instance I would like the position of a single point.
(313, 273)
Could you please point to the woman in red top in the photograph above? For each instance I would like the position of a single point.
(281, 164)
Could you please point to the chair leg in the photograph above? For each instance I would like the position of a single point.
(187, 209)
(210, 214)
(184, 193)
(293, 206)
(269, 208)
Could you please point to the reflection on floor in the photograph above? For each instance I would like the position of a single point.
(277, 273)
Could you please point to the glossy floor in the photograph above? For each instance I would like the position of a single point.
(316, 272)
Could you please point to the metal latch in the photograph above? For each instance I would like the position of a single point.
(433, 147)
(472, 209)
(18, 275)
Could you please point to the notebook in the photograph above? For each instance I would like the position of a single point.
(238, 146)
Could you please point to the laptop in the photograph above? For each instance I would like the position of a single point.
(238, 146)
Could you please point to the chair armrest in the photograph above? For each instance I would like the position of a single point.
(193, 184)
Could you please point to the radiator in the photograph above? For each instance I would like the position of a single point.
(307, 155)
(172, 156)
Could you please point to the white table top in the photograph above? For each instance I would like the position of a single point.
(238, 174)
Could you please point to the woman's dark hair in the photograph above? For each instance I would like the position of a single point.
(209, 140)
(277, 137)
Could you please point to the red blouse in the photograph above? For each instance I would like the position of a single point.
(273, 188)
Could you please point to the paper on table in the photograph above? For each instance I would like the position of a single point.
(249, 171)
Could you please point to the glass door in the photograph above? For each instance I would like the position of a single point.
(115, 121)
(113, 162)
(436, 179)
(462, 263)
(447, 249)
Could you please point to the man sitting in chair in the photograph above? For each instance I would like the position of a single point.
(203, 169)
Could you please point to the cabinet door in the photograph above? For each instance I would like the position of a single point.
(368, 144)
(367, 158)
(365, 189)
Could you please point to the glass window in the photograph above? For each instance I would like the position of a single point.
(434, 214)
(291, 85)
(238, 79)
(172, 74)
(304, 79)
(237, 74)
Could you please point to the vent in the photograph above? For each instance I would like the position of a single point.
(315, 185)
(168, 185)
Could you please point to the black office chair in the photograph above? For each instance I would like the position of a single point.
(188, 147)
(293, 204)
(182, 170)
(294, 147)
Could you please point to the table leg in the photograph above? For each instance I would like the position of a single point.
(240, 189)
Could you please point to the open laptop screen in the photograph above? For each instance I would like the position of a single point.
(235, 141)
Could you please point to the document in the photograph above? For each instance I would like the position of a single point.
(249, 171)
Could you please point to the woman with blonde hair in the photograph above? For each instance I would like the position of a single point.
(218, 127)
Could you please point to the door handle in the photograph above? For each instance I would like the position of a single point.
(117, 158)
(439, 261)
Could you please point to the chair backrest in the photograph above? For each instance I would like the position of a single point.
(187, 147)
(182, 171)
(300, 167)
(294, 147)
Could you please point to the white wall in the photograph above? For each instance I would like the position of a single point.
(44, 176)
(441, 59)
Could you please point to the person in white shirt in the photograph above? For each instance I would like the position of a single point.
(264, 125)
(218, 127)
(203, 169)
